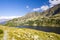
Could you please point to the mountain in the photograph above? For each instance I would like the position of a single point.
(3, 21)
(53, 11)
(21, 20)
(11, 33)
(50, 17)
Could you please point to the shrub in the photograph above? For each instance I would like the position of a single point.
(1, 31)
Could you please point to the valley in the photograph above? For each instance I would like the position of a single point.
(34, 25)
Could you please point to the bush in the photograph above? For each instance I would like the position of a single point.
(1, 31)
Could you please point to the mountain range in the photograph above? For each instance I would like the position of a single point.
(3, 21)
(50, 17)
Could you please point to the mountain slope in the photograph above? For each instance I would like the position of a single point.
(10, 33)
(53, 11)
(24, 19)
(50, 17)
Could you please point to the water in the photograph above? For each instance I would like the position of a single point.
(46, 29)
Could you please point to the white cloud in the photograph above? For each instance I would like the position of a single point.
(54, 2)
(36, 9)
(8, 17)
(44, 7)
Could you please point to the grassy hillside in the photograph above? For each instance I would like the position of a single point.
(10, 33)
(53, 21)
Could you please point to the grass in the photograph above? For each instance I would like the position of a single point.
(12, 33)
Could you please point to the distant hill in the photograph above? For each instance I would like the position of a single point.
(3, 21)
(50, 17)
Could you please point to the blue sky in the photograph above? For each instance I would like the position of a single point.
(21, 7)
